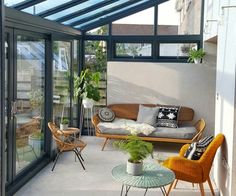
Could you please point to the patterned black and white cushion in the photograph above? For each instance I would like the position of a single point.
(196, 149)
(168, 117)
(106, 114)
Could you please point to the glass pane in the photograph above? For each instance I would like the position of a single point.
(176, 49)
(75, 71)
(141, 23)
(76, 8)
(107, 7)
(133, 49)
(61, 80)
(109, 15)
(30, 100)
(45, 5)
(13, 2)
(96, 59)
(104, 30)
(179, 17)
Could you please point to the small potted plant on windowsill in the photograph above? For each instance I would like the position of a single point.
(64, 124)
(86, 87)
(195, 56)
(138, 150)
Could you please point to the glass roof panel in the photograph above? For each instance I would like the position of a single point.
(13, 2)
(96, 11)
(74, 9)
(110, 14)
(36, 9)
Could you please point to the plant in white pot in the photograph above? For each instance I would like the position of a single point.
(64, 124)
(86, 86)
(195, 56)
(138, 150)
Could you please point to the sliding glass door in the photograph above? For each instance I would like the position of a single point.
(28, 105)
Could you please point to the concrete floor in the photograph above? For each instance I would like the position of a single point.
(70, 179)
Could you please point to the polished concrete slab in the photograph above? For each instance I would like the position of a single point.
(70, 179)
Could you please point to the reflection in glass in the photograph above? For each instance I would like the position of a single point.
(61, 80)
(29, 104)
(133, 50)
(176, 49)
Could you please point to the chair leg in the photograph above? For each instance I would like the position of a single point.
(79, 154)
(202, 189)
(175, 183)
(55, 162)
(104, 144)
(79, 159)
(210, 185)
(171, 186)
(193, 184)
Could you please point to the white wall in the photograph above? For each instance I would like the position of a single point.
(185, 84)
(225, 172)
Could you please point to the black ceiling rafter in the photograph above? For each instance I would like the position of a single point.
(122, 14)
(102, 13)
(85, 10)
(25, 4)
(60, 8)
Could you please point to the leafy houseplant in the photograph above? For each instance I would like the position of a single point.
(64, 124)
(86, 86)
(195, 56)
(138, 150)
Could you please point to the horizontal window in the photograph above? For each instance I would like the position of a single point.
(133, 50)
(176, 49)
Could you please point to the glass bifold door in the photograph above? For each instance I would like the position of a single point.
(24, 101)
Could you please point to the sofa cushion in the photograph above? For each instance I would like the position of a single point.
(186, 132)
(125, 127)
(168, 117)
(147, 115)
(196, 149)
(106, 114)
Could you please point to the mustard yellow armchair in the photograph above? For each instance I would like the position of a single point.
(194, 171)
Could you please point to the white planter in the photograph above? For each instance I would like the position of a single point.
(134, 169)
(63, 126)
(197, 61)
(36, 143)
(88, 103)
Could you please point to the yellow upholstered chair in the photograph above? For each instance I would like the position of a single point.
(194, 171)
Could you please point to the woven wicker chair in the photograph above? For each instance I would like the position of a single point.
(66, 143)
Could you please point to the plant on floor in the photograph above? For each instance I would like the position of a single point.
(138, 150)
(195, 56)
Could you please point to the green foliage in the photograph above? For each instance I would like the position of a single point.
(65, 121)
(36, 98)
(195, 54)
(37, 135)
(136, 147)
(86, 85)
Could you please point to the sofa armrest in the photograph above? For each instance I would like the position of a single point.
(95, 121)
(200, 127)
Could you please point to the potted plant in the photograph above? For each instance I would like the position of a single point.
(64, 124)
(36, 140)
(138, 150)
(195, 56)
(86, 87)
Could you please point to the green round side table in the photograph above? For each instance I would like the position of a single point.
(153, 176)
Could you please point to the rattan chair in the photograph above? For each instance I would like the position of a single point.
(66, 143)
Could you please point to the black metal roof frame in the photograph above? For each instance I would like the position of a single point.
(97, 19)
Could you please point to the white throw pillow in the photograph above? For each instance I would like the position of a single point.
(147, 115)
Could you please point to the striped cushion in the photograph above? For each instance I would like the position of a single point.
(196, 149)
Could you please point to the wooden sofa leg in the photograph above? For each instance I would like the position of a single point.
(210, 185)
(202, 189)
(104, 144)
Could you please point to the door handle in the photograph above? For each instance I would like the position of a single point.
(13, 108)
